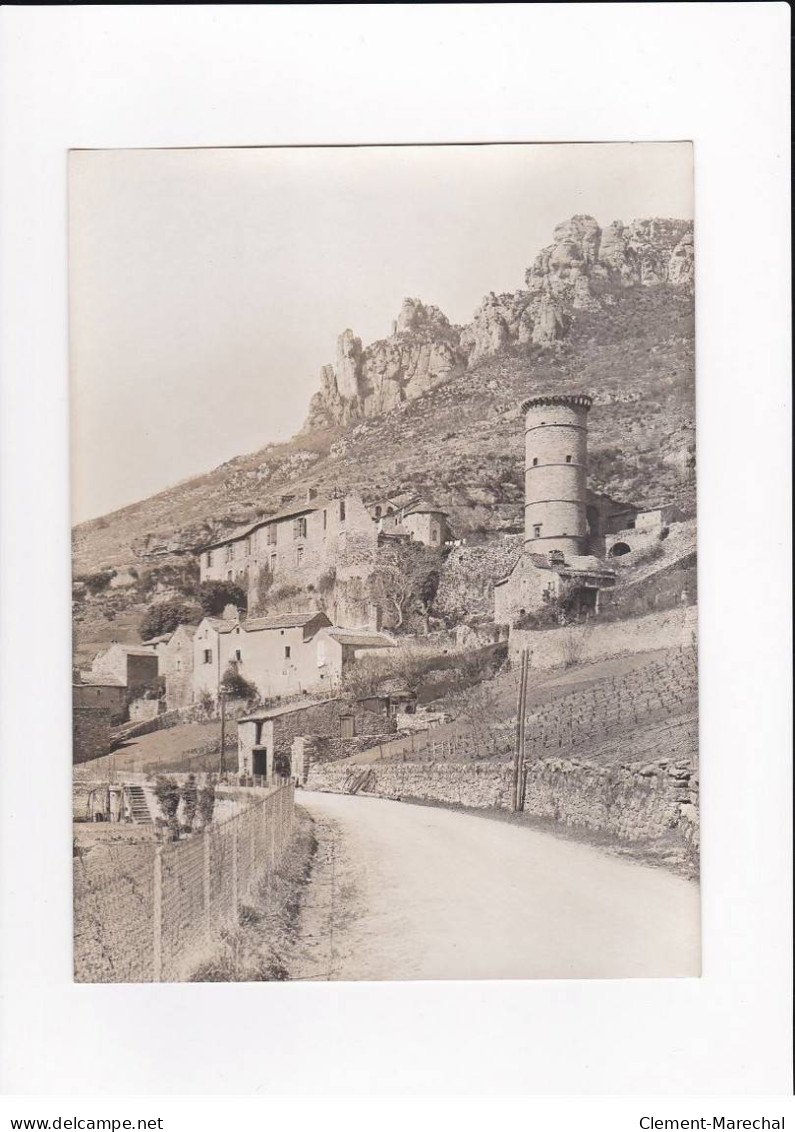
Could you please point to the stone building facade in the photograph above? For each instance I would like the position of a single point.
(94, 690)
(265, 739)
(136, 666)
(296, 546)
(176, 665)
(282, 656)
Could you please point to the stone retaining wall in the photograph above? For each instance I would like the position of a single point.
(554, 648)
(630, 803)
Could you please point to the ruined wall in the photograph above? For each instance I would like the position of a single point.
(466, 584)
(551, 648)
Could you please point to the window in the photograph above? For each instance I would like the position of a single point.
(209, 558)
(237, 655)
(299, 556)
(537, 530)
(299, 528)
(286, 652)
(178, 665)
(273, 564)
(434, 535)
(378, 512)
(568, 459)
(325, 519)
(342, 510)
(229, 552)
(535, 460)
(272, 535)
(229, 575)
(208, 656)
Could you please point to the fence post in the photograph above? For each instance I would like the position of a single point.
(234, 874)
(206, 882)
(157, 916)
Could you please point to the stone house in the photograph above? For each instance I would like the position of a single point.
(539, 578)
(297, 546)
(282, 656)
(136, 666)
(416, 519)
(95, 690)
(265, 738)
(176, 657)
(427, 523)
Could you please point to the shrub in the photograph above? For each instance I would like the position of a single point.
(215, 596)
(164, 617)
(207, 802)
(285, 592)
(190, 801)
(206, 702)
(236, 686)
(167, 793)
(98, 582)
(326, 581)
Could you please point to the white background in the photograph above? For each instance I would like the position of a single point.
(129, 76)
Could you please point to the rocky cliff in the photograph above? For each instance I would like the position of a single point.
(585, 268)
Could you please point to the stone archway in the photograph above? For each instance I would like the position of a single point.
(618, 549)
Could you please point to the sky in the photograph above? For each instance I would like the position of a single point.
(207, 287)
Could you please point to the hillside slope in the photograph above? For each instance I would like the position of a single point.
(435, 408)
(461, 442)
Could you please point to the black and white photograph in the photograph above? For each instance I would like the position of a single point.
(395, 567)
(384, 588)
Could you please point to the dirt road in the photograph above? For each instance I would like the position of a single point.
(413, 892)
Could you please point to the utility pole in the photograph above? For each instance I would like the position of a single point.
(518, 752)
(222, 704)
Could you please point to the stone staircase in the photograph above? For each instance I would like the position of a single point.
(139, 807)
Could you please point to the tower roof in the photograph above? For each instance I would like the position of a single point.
(583, 400)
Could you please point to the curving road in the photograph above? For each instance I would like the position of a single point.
(400, 891)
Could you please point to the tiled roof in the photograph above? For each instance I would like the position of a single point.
(291, 512)
(423, 507)
(272, 713)
(362, 640)
(222, 626)
(133, 650)
(286, 621)
(101, 680)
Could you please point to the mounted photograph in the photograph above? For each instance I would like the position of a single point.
(384, 589)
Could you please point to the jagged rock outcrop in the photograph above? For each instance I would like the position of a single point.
(422, 351)
(583, 269)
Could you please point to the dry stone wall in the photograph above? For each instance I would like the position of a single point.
(554, 648)
(630, 803)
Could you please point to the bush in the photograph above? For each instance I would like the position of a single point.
(98, 582)
(190, 801)
(167, 793)
(215, 596)
(163, 618)
(325, 582)
(285, 592)
(236, 686)
(207, 802)
(206, 702)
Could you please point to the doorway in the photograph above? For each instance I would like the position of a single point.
(259, 761)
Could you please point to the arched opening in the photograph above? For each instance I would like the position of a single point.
(619, 548)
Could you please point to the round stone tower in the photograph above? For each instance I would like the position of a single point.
(556, 468)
